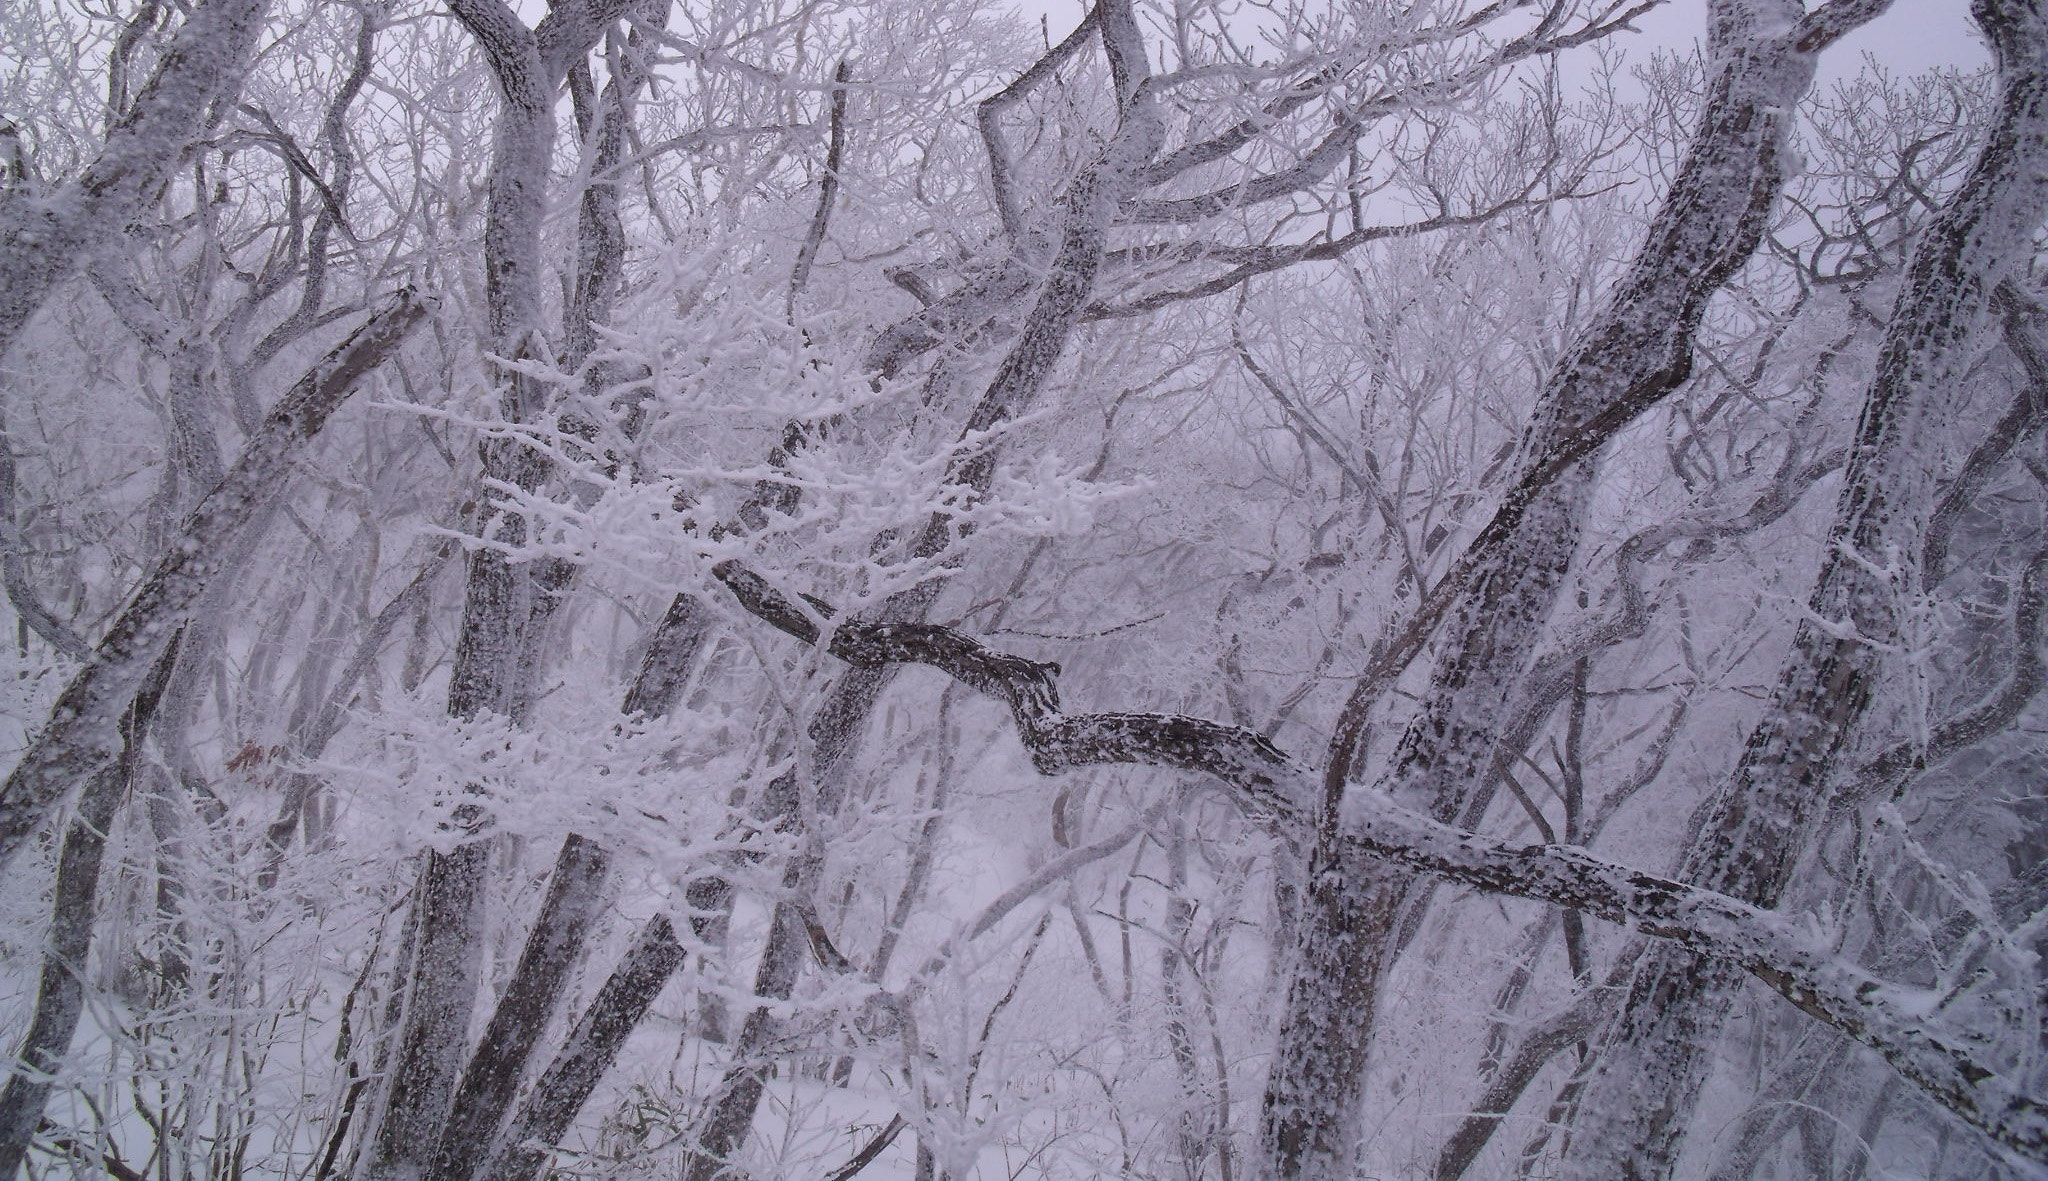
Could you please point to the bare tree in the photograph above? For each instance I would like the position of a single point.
(911, 503)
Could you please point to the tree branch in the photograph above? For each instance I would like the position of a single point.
(80, 736)
(1273, 787)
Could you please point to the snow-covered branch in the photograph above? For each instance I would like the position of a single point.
(1273, 787)
(82, 735)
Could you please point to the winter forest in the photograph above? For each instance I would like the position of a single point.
(1183, 589)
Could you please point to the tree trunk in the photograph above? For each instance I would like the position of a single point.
(440, 986)
(1759, 824)
(43, 240)
(553, 949)
(1637, 352)
(506, 606)
(60, 991)
(81, 736)
(566, 1084)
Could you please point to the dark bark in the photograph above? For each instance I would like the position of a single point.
(312, 735)
(439, 985)
(2025, 321)
(1513, 1076)
(553, 948)
(828, 191)
(746, 1078)
(1268, 784)
(592, 1046)
(671, 653)
(28, 606)
(1758, 824)
(869, 1151)
(60, 989)
(1500, 594)
(1087, 207)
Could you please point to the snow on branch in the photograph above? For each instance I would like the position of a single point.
(82, 734)
(1797, 964)
(1269, 784)
(1273, 787)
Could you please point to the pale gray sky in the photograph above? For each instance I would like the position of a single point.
(1913, 35)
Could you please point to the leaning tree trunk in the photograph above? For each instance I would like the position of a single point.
(43, 239)
(60, 990)
(81, 735)
(1634, 354)
(506, 606)
(1761, 821)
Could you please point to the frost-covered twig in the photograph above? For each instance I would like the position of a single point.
(43, 239)
(80, 736)
(1271, 785)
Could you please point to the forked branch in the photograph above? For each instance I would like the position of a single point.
(1272, 786)
(81, 736)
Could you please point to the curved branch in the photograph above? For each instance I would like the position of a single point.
(2023, 320)
(1546, 684)
(81, 735)
(991, 108)
(1540, 41)
(1247, 262)
(828, 191)
(1270, 785)
(1317, 163)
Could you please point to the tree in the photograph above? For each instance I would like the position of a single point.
(1190, 390)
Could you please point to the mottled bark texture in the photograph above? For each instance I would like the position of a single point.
(560, 1092)
(507, 606)
(81, 736)
(45, 238)
(553, 947)
(74, 910)
(1269, 785)
(1634, 354)
(1760, 822)
(439, 989)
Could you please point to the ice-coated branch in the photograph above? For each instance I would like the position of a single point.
(1798, 965)
(2023, 318)
(1247, 262)
(1758, 826)
(1272, 786)
(1352, 121)
(43, 239)
(1634, 354)
(81, 735)
(1317, 163)
(989, 114)
(828, 192)
(1550, 678)
(1892, 767)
